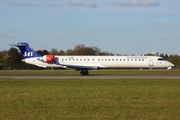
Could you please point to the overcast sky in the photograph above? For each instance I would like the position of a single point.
(118, 26)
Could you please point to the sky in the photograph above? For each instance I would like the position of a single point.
(118, 26)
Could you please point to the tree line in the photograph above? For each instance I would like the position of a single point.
(11, 59)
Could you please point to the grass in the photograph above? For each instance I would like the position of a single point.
(90, 99)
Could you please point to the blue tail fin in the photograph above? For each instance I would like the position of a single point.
(26, 51)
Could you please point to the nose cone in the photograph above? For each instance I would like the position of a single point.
(172, 65)
(169, 65)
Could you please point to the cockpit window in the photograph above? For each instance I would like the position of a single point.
(161, 59)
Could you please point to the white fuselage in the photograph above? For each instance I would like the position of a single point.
(98, 62)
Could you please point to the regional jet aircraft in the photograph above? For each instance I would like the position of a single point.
(85, 63)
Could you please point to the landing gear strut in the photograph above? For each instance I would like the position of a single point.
(84, 72)
(164, 72)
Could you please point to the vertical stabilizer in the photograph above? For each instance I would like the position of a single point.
(26, 51)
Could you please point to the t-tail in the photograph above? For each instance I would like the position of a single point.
(26, 51)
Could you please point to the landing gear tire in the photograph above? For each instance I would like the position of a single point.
(81, 73)
(84, 72)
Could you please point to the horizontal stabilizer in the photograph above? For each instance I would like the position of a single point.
(17, 45)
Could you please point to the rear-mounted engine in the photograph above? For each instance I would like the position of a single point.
(47, 58)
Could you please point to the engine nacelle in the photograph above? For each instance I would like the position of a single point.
(47, 58)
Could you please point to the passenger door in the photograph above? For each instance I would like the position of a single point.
(151, 62)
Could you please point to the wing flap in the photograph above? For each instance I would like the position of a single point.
(40, 65)
(79, 67)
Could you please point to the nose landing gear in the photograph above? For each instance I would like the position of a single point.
(164, 72)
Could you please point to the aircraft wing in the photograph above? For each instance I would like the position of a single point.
(79, 67)
(76, 67)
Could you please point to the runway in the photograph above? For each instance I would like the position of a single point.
(91, 77)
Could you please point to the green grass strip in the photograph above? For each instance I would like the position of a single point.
(90, 99)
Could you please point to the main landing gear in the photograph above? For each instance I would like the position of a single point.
(84, 72)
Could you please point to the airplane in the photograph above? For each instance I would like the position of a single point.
(85, 63)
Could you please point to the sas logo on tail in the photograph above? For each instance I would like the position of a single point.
(28, 54)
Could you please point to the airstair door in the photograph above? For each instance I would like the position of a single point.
(151, 63)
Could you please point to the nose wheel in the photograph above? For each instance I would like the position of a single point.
(84, 72)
